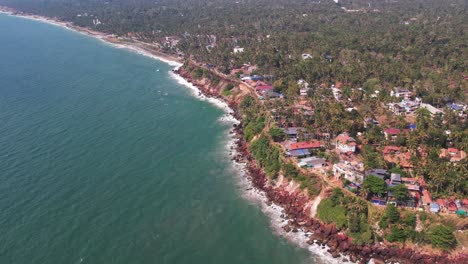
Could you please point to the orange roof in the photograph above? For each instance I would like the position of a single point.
(426, 196)
(453, 150)
(390, 149)
(409, 179)
(305, 145)
(344, 138)
(440, 202)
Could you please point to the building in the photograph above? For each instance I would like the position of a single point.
(348, 172)
(306, 56)
(452, 154)
(401, 93)
(395, 179)
(263, 88)
(434, 111)
(392, 133)
(345, 143)
(292, 132)
(435, 208)
(396, 108)
(313, 162)
(238, 49)
(380, 173)
(269, 94)
(406, 106)
(304, 145)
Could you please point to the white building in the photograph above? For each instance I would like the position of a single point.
(401, 93)
(348, 172)
(345, 143)
(238, 50)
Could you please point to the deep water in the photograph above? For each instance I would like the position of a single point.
(104, 159)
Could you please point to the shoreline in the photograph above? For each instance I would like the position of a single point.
(137, 47)
(248, 190)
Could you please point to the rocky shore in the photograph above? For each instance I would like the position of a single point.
(297, 214)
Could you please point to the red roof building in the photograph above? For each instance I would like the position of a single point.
(452, 207)
(390, 149)
(264, 88)
(392, 131)
(440, 202)
(305, 145)
(426, 197)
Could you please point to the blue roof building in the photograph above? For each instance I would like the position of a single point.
(435, 208)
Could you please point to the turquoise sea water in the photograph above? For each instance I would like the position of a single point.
(105, 160)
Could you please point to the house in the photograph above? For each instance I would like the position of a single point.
(348, 172)
(263, 88)
(304, 145)
(401, 93)
(441, 202)
(381, 173)
(345, 143)
(271, 95)
(452, 154)
(313, 162)
(298, 153)
(434, 111)
(292, 132)
(392, 133)
(410, 106)
(426, 198)
(435, 208)
(396, 109)
(238, 49)
(452, 206)
(391, 150)
(395, 179)
(306, 56)
(303, 92)
(336, 92)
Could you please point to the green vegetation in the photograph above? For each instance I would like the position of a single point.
(276, 133)
(400, 192)
(442, 236)
(375, 185)
(331, 211)
(268, 156)
(348, 213)
(253, 128)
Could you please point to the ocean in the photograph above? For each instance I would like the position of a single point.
(106, 158)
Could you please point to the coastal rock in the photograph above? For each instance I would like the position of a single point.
(335, 254)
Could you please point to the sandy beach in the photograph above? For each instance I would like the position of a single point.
(139, 47)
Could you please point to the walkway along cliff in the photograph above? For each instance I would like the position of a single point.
(296, 203)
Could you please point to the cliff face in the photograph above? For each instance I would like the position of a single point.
(296, 204)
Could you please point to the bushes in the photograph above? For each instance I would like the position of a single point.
(396, 235)
(229, 87)
(276, 133)
(267, 155)
(375, 185)
(197, 73)
(442, 237)
(253, 128)
(332, 214)
(289, 170)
